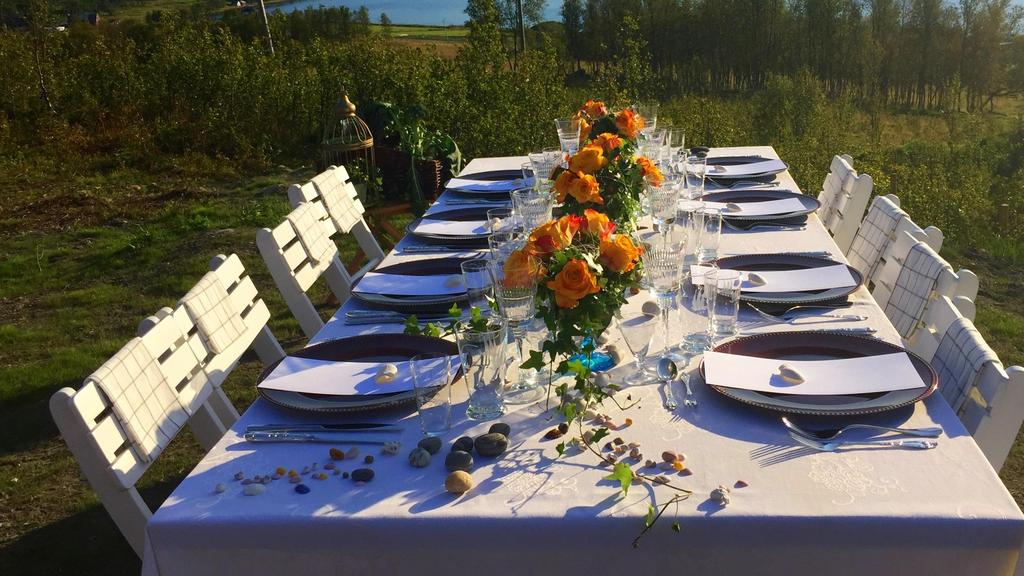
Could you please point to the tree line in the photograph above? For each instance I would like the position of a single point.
(912, 53)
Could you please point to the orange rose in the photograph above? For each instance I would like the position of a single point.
(573, 283)
(584, 130)
(608, 141)
(562, 185)
(598, 223)
(522, 269)
(629, 123)
(588, 160)
(619, 253)
(650, 171)
(585, 189)
(595, 108)
(551, 236)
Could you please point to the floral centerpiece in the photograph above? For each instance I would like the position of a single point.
(585, 262)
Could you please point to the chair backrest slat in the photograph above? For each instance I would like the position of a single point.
(840, 171)
(849, 209)
(874, 235)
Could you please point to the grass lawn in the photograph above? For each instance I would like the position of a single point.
(84, 259)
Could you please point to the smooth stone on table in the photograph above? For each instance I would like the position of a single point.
(491, 444)
(458, 460)
(362, 474)
(500, 428)
(465, 444)
(458, 482)
(254, 489)
(302, 489)
(419, 458)
(431, 444)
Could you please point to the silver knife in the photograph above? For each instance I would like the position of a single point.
(345, 427)
(320, 437)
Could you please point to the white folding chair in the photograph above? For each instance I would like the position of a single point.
(128, 411)
(298, 252)
(914, 276)
(342, 210)
(875, 233)
(840, 172)
(988, 399)
(939, 314)
(848, 210)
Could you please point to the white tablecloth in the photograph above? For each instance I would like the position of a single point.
(942, 511)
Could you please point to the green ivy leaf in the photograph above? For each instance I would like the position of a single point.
(432, 330)
(598, 435)
(455, 312)
(560, 448)
(649, 518)
(412, 326)
(623, 474)
(536, 360)
(569, 409)
(676, 527)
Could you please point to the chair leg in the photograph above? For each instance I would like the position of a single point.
(223, 408)
(206, 426)
(267, 347)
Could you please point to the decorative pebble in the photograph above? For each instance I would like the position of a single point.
(678, 466)
(637, 480)
(305, 470)
(459, 460)
(239, 475)
(465, 444)
(588, 435)
(553, 434)
(391, 448)
(685, 472)
(431, 444)
(294, 479)
(292, 473)
(344, 475)
(721, 495)
(670, 456)
(247, 481)
(563, 428)
(280, 471)
(634, 453)
(589, 414)
(387, 373)
(740, 484)
(276, 476)
(254, 489)
(220, 488)
(330, 466)
(651, 309)
(368, 459)
(650, 464)
(301, 489)
(352, 452)
(500, 428)
(320, 476)
(790, 375)
(337, 454)
(419, 458)
(627, 423)
(265, 480)
(362, 474)
(602, 380)
(660, 480)
(618, 441)
(492, 444)
(458, 482)
(609, 446)
(666, 466)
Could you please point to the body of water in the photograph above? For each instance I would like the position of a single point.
(428, 12)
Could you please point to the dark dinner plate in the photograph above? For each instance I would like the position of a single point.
(756, 262)
(366, 348)
(493, 176)
(425, 267)
(810, 204)
(815, 345)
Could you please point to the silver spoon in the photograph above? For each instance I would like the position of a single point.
(667, 372)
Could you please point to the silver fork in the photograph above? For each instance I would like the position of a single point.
(732, 226)
(792, 315)
(837, 444)
(829, 435)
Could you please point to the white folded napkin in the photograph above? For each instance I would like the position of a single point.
(820, 377)
(473, 185)
(823, 278)
(737, 170)
(309, 376)
(765, 208)
(451, 228)
(408, 285)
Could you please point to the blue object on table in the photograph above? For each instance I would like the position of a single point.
(596, 361)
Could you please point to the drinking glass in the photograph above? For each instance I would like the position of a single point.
(476, 275)
(722, 289)
(517, 307)
(482, 354)
(568, 135)
(663, 201)
(689, 216)
(695, 166)
(638, 332)
(532, 206)
(710, 234)
(505, 241)
(502, 219)
(528, 175)
(545, 162)
(649, 112)
(431, 380)
(663, 268)
(694, 316)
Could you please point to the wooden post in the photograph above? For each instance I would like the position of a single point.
(1003, 217)
(266, 27)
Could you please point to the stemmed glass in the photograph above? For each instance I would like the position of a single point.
(638, 332)
(649, 112)
(516, 305)
(544, 163)
(663, 200)
(663, 267)
(568, 135)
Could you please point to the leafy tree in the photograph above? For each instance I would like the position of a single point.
(385, 24)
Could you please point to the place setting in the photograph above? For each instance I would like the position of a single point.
(746, 210)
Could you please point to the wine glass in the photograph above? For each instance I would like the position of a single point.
(638, 332)
(663, 200)
(649, 112)
(663, 268)
(568, 135)
(516, 305)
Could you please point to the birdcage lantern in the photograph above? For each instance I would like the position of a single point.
(348, 142)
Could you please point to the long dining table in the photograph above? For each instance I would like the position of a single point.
(857, 511)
